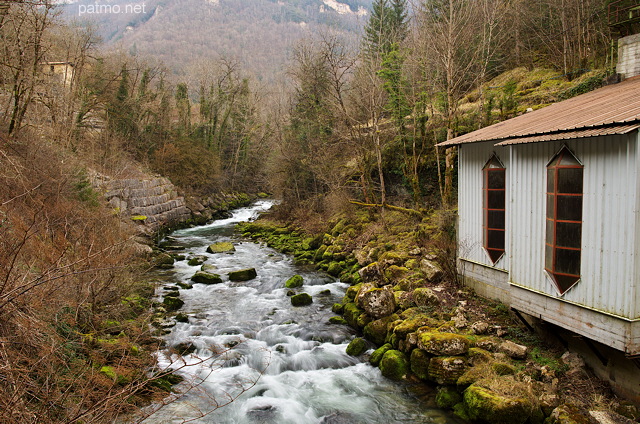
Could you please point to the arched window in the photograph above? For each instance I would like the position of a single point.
(494, 208)
(564, 220)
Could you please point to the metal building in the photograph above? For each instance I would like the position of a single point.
(549, 214)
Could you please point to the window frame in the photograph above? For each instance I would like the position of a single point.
(494, 254)
(559, 274)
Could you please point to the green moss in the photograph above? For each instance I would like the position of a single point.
(351, 314)
(138, 217)
(412, 324)
(376, 331)
(172, 303)
(335, 268)
(447, 369)
(447, 397)
(377, 354)
(394, 365)
(221, 247)
(116, 377)
(395, 273)
(419, 361)
(357, 347)
(353, 291)
(460, 411)
(485, 404)
(337, 308)
(444, 343)
(182, 317)
(363, 320)
(502, 368)
(295, 281)
(338, 320)
(302, 299)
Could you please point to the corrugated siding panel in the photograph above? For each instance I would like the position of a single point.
(609, 219)
(472, 159)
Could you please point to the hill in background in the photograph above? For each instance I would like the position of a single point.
(259, 34)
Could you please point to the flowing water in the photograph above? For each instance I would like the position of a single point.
(268, 361)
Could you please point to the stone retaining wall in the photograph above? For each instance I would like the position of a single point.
(154, 200)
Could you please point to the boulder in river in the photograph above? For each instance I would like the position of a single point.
(221, 247)
(196, 260)
(357, 347)
(204, 277)
(302, 299)
(172, 303)
(394, 365)
(293, 282)
(243, 274)
(376, 302)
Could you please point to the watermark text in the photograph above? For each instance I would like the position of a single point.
(97, 9)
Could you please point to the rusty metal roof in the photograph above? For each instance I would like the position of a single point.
(604, 111)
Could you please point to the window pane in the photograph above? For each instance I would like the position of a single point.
(549, 231)
(495, 239)
(569, 208)
(564, 282)
(495, 219)
(550, 179)
(567, 261)
(495, 199)
(568, 159)
(568, 235)
(495, 179)
(548, 257)
(495, 254)
(550, 206)
(570, 180)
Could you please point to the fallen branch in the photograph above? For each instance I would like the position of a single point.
(408, 211)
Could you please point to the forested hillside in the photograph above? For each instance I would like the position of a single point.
(223, 95)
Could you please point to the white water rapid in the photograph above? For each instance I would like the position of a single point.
(268, 361)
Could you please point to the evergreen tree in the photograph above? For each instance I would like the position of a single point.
(387, 26)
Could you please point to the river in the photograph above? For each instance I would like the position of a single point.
(268, 361)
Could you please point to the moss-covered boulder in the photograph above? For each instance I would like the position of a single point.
(243, 274)
(363, 320)
(164, 260)
(184, 286)
(196, 260)
(395, 273)
(351, 313)
(404, 299)
(203, 277)
(370, 273)
(424, 296)
(447, 397)
(419, 361)
(338, 320)
(357, 347)
(377, 354)
(352, 291)
(295, 281)
(376, 331)
(412, 324)
(394, 365)
(377, 302)
(208, 267)
(443, 344)
(446, 369)
(337, 308)
(486, 405)
(221, 247)
(335, 268)
(172, 303)
(301, 299)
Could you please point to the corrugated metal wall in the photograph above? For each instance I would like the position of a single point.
(472, 158)
(608, 263)
(611, 218)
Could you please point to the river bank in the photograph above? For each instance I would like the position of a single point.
(418, 323)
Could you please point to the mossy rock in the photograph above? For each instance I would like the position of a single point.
(335, 268)
(302, 299)
(566, 414)
(412, 324)
(403, 299)
(184, 348)
(352, 292)
(486, 405)
(425, 297)
(243, 274)
(337, 308)
(447, 369)
(377, 354)
(221, 247)
(443, 344)
(394, 365)
(472, 375)
(376, 331)
(395, 273)
(182, 317)
(363, 320)
(185, 286)
(478, 355)
(196, 260)
(163, 260)
(338, 320)
(203, 277)
(295, 281)
(502, 368)
(172, 303)
(317, 257)
(208, 268)
(460, 411)
(419, 361)
(447, 397)
(351, 314)
(357, 347)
